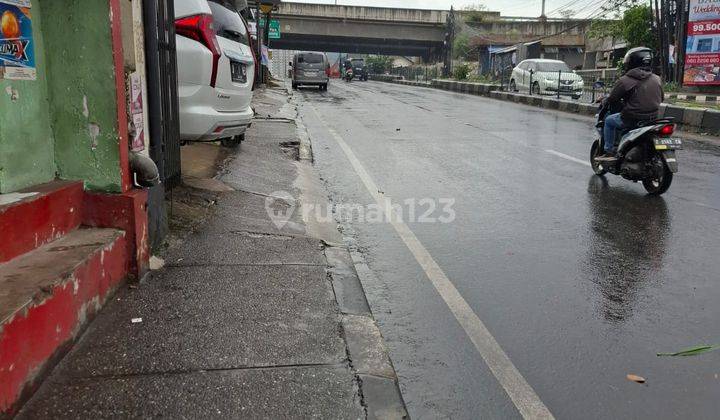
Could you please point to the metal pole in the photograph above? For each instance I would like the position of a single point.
(259, 41)
(531, 81)
(681, 41)
(667, 37)
(559, 80)
(157, 214)
(660, 37)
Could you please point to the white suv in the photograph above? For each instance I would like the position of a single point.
(216, 68)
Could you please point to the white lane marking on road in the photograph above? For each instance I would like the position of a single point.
(567, 157)
(520, 392)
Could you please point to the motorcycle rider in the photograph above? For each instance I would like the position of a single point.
(642, 93)
(347, 66)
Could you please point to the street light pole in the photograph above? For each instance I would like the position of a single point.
(259, 41)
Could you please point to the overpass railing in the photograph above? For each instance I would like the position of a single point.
(417, 73)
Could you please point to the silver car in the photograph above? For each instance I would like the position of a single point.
(542, 76)
(310, 68)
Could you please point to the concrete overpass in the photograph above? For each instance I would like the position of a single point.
(409, 32)
(359, 29)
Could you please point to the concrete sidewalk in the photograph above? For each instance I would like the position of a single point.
(249, 318)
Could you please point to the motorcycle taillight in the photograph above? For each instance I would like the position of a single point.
(667, 130)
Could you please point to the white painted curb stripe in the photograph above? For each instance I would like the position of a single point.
(520, 392)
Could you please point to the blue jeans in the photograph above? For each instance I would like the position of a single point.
(613, 127)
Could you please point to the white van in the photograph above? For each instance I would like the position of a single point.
(310, 68)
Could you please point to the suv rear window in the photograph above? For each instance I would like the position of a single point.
(310, 58)
(228, 23)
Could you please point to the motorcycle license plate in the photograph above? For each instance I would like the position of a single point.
(672, 143)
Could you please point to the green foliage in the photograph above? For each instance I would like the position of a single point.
(479, 78)
(379, 64)
(635, 27)
(461, 72)
(461, 46)
(671, 87)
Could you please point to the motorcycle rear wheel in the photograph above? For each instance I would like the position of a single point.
(596, 151)
(660, 184)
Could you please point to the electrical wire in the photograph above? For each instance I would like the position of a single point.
(597, 12)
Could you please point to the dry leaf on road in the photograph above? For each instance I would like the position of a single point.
(635, 378)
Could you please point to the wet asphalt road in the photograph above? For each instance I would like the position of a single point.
(580, 280)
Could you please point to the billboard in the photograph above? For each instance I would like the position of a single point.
(17, 56)
(702, 56)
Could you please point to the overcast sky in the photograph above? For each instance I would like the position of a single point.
(506, 7)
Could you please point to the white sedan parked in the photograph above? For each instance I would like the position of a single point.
(216, 69)
(543, 76)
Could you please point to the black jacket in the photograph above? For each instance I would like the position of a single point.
(643, 93)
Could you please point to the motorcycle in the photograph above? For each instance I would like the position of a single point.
(349, 75)
(646, 154)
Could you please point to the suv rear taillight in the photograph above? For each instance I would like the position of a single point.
(201, 29)
(667, 130)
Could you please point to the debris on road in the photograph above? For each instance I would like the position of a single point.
(156, 263)
(136, 320)
(636, 378)
(692, 351)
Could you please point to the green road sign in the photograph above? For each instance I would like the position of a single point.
(274, 28)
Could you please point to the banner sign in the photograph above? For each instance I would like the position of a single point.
(702, 58)
(17, 49)
(274, 28)
(136, 111)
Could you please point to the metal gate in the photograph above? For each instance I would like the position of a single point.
(162, 89)
(163, 110)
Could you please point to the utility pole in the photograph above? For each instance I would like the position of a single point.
(449, 41)
(259, 43)
(661, 37)
(263, 33)
(680, 39)
(668, 38)
(542, 14)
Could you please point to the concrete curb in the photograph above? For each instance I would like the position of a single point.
(701, 120)
(368, 355)
(712, 99)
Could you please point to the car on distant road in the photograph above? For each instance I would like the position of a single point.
(310, 68)
(359, 69)
(542, 76)
(216, 69)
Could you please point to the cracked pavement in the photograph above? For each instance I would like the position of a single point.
(241, 322)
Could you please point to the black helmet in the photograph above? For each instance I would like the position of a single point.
(637, 57)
